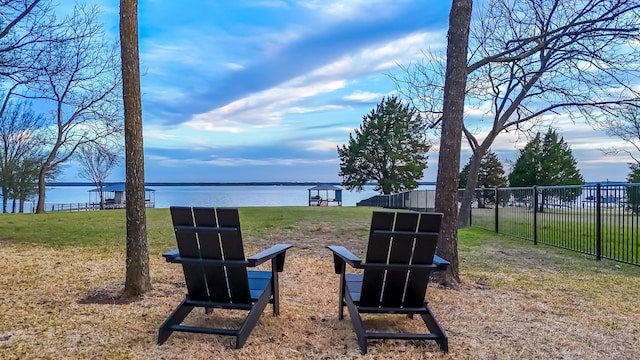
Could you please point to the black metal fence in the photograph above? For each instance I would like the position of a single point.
(30, 207)
(602, 220)
(599, 220)
(419, 200)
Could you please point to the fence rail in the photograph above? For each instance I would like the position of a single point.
(419, 200)
(30, 207)
(601, 220)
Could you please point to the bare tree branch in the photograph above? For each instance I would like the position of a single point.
(529, 58)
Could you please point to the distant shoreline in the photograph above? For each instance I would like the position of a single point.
(275, 183)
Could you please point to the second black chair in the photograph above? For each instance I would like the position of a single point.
(400, 258)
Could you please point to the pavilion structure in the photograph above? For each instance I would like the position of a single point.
(323, 195)
(114, 196)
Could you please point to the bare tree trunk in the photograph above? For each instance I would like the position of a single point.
(4, 199)
(451, 136)
(137, 277)
(41, 190)
(101, 196)
(472, 181)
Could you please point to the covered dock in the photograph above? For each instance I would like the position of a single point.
(114, 197)
(323, 195)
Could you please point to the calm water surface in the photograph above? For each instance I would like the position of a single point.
(233, 196)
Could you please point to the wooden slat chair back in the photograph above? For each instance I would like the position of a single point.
(215, 270)
(402, 238)
(219, 239)
(399, 260)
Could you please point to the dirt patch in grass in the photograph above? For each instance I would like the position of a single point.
(108, 297)
(64, 303)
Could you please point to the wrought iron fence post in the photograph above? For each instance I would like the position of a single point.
(495, 204)
(598, 223)
(535, 215)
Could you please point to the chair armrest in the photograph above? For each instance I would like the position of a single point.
(170, 255)
(342, 255)
(440, 262)
(270, 253)
(346, 255)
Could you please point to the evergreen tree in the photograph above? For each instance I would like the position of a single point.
(390, 147)
(547, 161)
(633, 191)
(528, 166)
(491, 174)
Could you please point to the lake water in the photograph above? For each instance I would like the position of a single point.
(233, 196)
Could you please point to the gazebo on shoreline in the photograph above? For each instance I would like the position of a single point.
(114, 196)
(332, 194)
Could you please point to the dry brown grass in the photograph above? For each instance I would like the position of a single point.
(519, 302)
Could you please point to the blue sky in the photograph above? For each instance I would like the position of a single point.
(264, 90)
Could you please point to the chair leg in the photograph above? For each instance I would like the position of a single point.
(253, 316)
(358, 325)
(175, 318)
(436, 329)
(343, 284)
(276, 290)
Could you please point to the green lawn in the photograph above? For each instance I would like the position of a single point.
(570, 228)
(108, 228)
(304, 226)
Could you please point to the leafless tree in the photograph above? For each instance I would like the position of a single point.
(624, 125)
(26, 29)
(137, 280)
(97, 160)
(535, 58)
(20, 152)
(79, 76)
(451, 136)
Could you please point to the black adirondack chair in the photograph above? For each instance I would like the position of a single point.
(215, 271)
(400, 257)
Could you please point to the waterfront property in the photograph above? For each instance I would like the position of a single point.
(114, 196)
(322, 195)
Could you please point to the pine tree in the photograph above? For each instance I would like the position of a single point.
(527, 169)
(547, 161)
(633, 191)
(390, 147)
(491, 174)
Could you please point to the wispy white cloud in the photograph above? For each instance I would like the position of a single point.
(341, 10)
(319, 145)
(266, 108)
(262, 109)
(236, 162)
(365, 96)
(234, 66)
